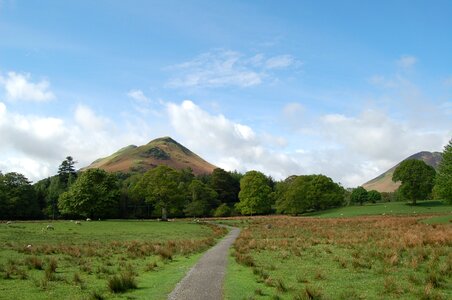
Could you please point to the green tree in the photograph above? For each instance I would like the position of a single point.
(254, 194)
(95, 194)
(202, 199)
(291, 195)
(161, 187)
(222, 211)
(298, 194)
(324, 193)
(417, 179)
(374, 196)
(226, 184)
(66, 171)
(443, 180)
(359, 195)
(17, 197)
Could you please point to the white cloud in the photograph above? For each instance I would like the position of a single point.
(406, 61)
(36, 145)
(18, 87)
(87, 119)
(225, 143)
(139, 96)
(278, 62)
(226, 68)
(353, 149)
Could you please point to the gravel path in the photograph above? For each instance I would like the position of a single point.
(205, 280)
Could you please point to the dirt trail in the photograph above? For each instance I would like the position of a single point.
(205, 280)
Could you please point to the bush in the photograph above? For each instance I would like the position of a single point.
(222, 211)
(122, 283)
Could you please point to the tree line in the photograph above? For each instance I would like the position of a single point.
(164, 192)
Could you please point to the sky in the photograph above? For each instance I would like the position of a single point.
(341, 88)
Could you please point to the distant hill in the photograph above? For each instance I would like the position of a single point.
(384, 183)
(161, 151)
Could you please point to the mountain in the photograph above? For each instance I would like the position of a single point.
(384, 183)
(161, 151)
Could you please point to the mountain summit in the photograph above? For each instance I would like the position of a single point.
(161, 151)
(384, 183)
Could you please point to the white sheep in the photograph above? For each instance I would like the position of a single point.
(50, 227)
(88, 219)
(78, 223)
(28, 246)
(9, 223)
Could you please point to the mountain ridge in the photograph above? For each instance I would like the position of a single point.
(384, 183)
(160, 151)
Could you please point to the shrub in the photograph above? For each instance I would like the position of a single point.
(222, 211)
(34, 262)
(122, 283)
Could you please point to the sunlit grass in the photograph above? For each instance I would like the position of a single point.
(98, 259)
(342, 258)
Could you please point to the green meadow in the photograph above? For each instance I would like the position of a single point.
(98, 259)
(386, 208)
(381, 251)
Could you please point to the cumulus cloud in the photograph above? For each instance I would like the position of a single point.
(36, 145)
(228, 144)
(353, 149)
(87, 119)
(377, 136)
(406, 61)
(226, 68)
(19, 87)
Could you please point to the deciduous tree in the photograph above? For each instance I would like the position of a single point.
(374, 196)
(417, 179)
(202, 199)
(95, 194)
(298, 194)
(359, 195)
(160, 186)
(17, 197)
(443, 180)
(254, 194)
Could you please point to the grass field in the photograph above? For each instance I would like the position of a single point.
(386, 208)
(98, 260)
(408, 256)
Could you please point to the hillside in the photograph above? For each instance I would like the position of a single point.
(384, 183)
(161, 151)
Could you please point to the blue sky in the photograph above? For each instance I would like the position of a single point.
(343, 88)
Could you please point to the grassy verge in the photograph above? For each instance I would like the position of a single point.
(446, 219)
(377, 257)
(108, 259)
(388, 208)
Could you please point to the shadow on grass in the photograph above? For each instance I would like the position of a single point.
(432, 203)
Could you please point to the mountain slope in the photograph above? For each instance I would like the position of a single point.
(161, 151)
(384, 183)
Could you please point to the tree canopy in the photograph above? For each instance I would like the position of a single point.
(298, 194)
(161, 187)
(226, 184)
(66, 171)
(255, 194)
(202, 199)
(374, 196)
(443, 180)
(359, 195)
(417, 179)
(17, 197)
(95, 194)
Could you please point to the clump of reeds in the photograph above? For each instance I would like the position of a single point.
(122, 283)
